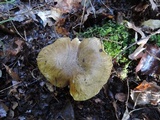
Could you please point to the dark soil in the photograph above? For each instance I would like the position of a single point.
(33, 98)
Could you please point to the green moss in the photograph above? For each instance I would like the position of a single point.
(115, 38)
(155, 39)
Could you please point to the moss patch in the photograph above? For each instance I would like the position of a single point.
(115, 38)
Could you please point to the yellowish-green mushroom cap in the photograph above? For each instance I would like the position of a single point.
(84, 66)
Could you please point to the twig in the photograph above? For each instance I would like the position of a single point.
(18, 32)
(10, 87)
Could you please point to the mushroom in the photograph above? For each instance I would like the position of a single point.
(84, 66)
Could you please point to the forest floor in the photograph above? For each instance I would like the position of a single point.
(28, 26)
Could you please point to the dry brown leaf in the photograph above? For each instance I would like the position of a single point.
(54, 13)
(13, 74)
(67, 5)
(10, 51)
(19, 44)
(150, 61)
(61, 30)
(141, 7)
(146, 93)
(15, 51)
(59, 27)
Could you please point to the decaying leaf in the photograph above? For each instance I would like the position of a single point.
(141, 7)
(19, 44)
(24, 13)
(14, 105)
(59, 27)
(84, 66)
(146, 93)
(144, 39)
(15, 51)
(126, 115)
(150, 61)
(3, 110)
(13, 74)
(152, 24)
(67, 5)
(121, 97)
(153, 4)
(54, 13)
(142, 42)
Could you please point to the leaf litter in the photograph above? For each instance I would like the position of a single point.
(24, 93)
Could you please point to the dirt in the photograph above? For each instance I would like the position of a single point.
(26, 95)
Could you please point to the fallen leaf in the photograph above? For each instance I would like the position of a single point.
(153, 4)
(21, 118)
(10, 51)
(11, 113)
(54, 13)
(146, 93)
(59, 27)
(67, 5)
(14, 105)
(126, 115)
(141, 7)
(25, 12)
(61, 30)
(150, 61)
(15, 51)
(121, 97)
(19, 44)
(13, 74)
(98, 100)
(151, 24)
(138, 52)
(3, 110)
